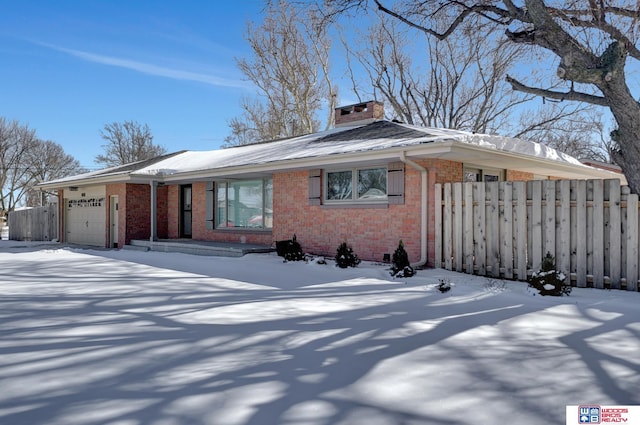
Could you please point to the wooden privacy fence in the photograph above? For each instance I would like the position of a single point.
(34, 224)
(504, 229)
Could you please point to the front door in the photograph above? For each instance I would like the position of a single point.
(185, 211)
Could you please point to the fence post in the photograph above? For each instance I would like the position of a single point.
(506, 230)
(520, 229)
(468, 227)
(598, 233)
(493, 228)
(581, 234)
(479, 233)
(535, 225)
(549, 226)
(563, 241)
(632, 242)
(447, 227)
(457, 226)
(615, 230)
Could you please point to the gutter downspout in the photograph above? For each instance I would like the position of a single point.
(423, 207)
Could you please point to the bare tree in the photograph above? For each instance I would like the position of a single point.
(127, 142)
(569, 128)
(290, 69)
(48, 161)
(453, 83)
(459, 82)
(591, 42)
(16, 141)
(25, 161)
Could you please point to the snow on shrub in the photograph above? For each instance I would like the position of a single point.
(444, 285)
(345, 257)
(400, 260)
(292, 250)
(548, 280)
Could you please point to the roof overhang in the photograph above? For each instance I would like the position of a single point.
(452, 150)
(472, 154)
(96, 181)
(448, 150)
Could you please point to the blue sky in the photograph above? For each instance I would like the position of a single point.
(70, 67)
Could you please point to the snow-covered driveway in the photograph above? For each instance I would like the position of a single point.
(133, 338)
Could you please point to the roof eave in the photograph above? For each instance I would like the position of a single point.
(445, 149)
(92, 181)
(530, 163)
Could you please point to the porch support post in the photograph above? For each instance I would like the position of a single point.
(154, 210)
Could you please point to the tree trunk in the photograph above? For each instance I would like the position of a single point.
(626, 112)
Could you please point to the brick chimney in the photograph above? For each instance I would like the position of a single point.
(359, 114)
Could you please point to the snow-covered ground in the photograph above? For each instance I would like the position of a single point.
(132, 338)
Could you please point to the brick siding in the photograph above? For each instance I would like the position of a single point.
(138, 217)
(173, 211)
(371, 232)
(519, 176)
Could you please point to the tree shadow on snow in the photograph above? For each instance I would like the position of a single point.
(92, 346)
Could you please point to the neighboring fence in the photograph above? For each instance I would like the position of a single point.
(504, 229)
(34, 224)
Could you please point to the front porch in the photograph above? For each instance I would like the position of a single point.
(195, 247)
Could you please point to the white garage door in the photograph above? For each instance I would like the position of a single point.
(85, 221)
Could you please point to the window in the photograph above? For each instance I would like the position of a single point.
(244, 204)
(482, 174)
(370, 185)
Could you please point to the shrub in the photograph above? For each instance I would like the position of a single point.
(345, 257)
(444, 285)
(293, 250)
(282, 247)
(400, 263)
(548, 280)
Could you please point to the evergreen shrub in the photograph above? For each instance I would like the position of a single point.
(548, 280)
(345, 257)
(401, 267)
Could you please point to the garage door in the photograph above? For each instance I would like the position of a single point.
(85, 221)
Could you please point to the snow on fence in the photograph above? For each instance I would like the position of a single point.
(34, 224)
(504, 229)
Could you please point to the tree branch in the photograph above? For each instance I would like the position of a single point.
(602, 25)
(570, 95)
(618, 11)
(468, 10)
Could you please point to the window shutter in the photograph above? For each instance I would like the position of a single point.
(315, 187)
(209, 200)
(395, 183)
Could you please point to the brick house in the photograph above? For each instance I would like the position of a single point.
(368, 182)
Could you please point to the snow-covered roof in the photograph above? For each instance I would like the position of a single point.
(376, 136)
(379, 136)
(120, 170)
